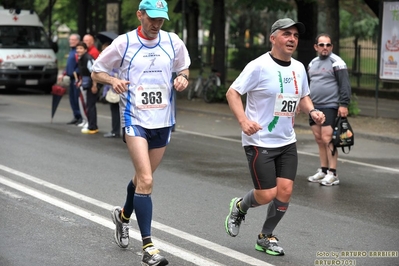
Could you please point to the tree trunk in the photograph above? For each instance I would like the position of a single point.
(209, 46)
(191, 17)
(89, 18)
(241, 27)
(332, 22)
(307, 14)
(82, 17)
(220, 22)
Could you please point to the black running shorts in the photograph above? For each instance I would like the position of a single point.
(156, 138)
(266, 164)
(330, 113)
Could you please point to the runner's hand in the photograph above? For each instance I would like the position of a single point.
(250, 127)
(318, 117)
(119, 85)
(180, 83)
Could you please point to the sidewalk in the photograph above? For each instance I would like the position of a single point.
(384, 128)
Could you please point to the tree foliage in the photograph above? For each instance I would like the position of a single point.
(358, 20)
(248, 21)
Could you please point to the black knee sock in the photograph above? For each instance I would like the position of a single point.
(248, 202)
(128, 208)
(275, 212)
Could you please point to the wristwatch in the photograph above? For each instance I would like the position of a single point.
(183, 75)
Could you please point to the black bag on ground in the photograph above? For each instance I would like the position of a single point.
(343, 135)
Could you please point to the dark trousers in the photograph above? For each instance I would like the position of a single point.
(74, 99)
(91, 109)
(115, 118)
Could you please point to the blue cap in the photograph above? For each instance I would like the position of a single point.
(155, 8)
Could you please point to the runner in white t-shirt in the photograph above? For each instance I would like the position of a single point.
(146, 58)
(275, 85)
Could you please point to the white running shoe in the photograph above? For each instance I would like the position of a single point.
(121, 229)
(330, 179)
(151, 257)
(82, 123)
(316, 178)
(234, 219)
(86, 125)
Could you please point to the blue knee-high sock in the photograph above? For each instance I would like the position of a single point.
(143, 208)
(129, 206)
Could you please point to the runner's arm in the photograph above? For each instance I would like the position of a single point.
(306, 105)
(181, 80)
(118, 85)
(235, 103)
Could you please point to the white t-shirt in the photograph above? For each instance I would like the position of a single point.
(273, 95)
(148, 65)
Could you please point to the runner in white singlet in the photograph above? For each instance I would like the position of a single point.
(275, 85)
(146, 58)
(148, 66)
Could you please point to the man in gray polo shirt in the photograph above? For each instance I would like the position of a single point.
(330, 92)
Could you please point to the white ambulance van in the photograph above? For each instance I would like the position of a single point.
(27, 58)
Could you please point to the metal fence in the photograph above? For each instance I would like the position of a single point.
(362, 64)
(361, 61)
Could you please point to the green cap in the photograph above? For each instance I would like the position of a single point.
(285, 23)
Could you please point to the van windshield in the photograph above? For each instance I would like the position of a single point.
(23, 37)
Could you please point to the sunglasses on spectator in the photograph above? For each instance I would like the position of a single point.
(324, 44)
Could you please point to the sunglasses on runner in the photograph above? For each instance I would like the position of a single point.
(324, 44)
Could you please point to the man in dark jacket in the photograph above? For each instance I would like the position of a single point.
(86, 85)
(71, 68)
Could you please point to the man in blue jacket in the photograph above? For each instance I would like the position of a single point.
(71, 67)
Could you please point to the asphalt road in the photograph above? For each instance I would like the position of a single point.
(57, 187)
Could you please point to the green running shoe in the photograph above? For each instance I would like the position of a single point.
(269, 244)
(234, 219)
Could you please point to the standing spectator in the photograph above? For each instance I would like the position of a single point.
(86, 84)
(275, 84)
(330, 91)
(146, 58)
(71, 67)
(88, 39)
(115, 116)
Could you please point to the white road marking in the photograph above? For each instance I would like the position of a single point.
(10, 194)
(163, 245)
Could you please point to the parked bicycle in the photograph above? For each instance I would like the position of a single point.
(207, 89)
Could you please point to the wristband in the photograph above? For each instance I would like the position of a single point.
(183, 75)
(313, 110)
